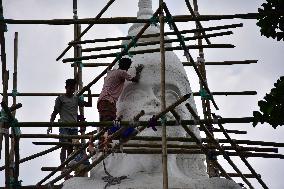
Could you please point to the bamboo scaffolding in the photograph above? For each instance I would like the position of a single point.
(72, 156)
(184, 63)
(103, 156)
(97, 95)
(147, 51)
(35, 155)
(213, 140)
(157, 42)
(86, 29)
(189, 57)
(158, 34)
(242, 156)
(124, 51)
(125, 20)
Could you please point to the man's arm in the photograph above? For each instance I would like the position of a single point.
(52, 118)
(139, 69)
(89, 103)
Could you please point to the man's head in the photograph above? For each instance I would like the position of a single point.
(70, 86)
(124, 63)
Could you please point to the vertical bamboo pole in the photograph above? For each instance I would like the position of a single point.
(163, 100)
(212, 172)
(75, 37)
(78, 53)
(5, 77)
(15, 87)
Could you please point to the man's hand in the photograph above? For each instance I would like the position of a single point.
(139, 68)
(49, 130)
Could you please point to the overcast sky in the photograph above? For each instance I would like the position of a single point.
(38, 71)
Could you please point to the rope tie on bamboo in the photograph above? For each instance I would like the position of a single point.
(13, 122)
(15, 183)
(15, 125)
(14, 93)
(3, 116)
(5, 25)
(79, 63)
(118, 55)
(203, 93)
(128, 52)
(169, 20)
(154, 20)
(81, 97)
(133, 41)
(164, 119)
(153, 123)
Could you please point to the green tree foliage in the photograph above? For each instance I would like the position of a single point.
(272, 107)
(271, 19)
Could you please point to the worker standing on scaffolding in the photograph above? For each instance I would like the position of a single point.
(112, 88)
(67, 107)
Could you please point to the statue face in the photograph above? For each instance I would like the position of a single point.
(146, 94)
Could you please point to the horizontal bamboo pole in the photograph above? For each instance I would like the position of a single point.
(142, 123)
(142, 44)
(193, 151)
(224, 63)
(147, 51)
(158, 34)
(183, 146)
(97, 95)
(125, 20)
(184, 139)
(56, 136)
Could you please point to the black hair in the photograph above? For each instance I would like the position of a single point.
(70, 82)
(124, 63)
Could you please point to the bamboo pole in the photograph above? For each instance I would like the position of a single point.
(125, 20)
(213, 140)
(158, 34)
(16, 139)
(156, 42)
(86, 29)
(124, 51)
(242, 156)
(97, 95)
(163, 99)
(189, 57)
(109, 123)
(5, 76)
(147, 51)
(144, 138)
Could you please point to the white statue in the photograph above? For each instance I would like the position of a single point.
(145, 171)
